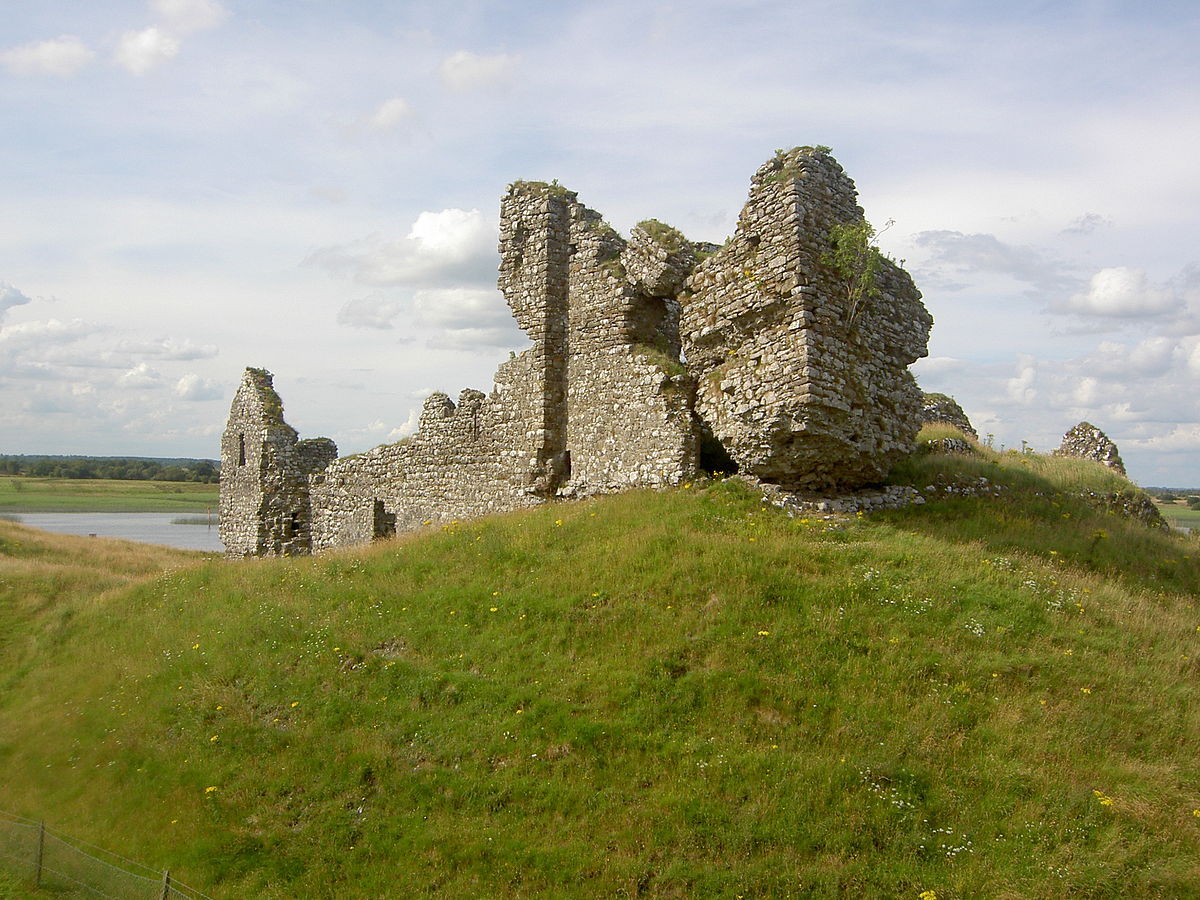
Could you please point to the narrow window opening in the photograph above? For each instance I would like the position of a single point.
(241, 449)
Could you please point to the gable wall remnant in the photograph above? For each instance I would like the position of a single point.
(629, 340)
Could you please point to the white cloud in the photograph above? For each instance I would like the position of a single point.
(1020, 388)
(27, 335)
(376, 311)
(461, 308)
(62, 56)
(391, 113)
(442, 249)
(959, 253)
(465, 71)
(139, 377)
(10, 297)
(410, 426)
(141, 51)
(1181, 437)
(169, 348)
(1121, 292)
(192, 387)
(185, 16)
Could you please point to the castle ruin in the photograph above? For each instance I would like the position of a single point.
(771, 351)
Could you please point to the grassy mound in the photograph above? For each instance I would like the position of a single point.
(669, 694)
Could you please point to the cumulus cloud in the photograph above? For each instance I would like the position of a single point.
(391, 113)
(169, 348)
(1121, 292)
(442, 249)
(62, 56)
(26, 335)
(461, 308)
(376, 311)
(955, 252)
(1182, 437)
(465, 71)
(192, 387)
(10, 297)
(140, 377)
(1021, 388)
(186, 16)
(141, 51)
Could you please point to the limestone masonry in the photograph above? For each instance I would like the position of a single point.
(1089, 442)
(939, 408)
(779, 359)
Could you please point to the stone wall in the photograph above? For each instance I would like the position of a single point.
(804, 385)
(939, 408)
(264, 502)
(804, 382)
(1087, 441)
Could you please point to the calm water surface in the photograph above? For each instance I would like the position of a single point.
(149, 528)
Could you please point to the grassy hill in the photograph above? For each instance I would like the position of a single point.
(682, 693)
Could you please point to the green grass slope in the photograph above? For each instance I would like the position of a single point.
(660, 694)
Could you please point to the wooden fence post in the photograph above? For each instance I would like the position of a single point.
(37, 860)
(166, 885)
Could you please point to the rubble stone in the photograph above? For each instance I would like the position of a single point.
(1087, 441)
(939, 408)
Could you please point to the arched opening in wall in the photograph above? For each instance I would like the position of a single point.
(714, 458)
(241, 449)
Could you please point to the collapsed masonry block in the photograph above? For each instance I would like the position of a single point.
(801, 367)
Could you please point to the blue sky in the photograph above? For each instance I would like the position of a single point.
(193, 186)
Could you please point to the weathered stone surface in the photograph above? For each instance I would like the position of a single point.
(598, 403)
(939, 408)
(1087, 441)
(264, 502)
(804, 383)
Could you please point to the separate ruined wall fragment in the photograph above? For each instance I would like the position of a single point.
(1087, 441)
(803, 380)
(264, 503)
(940, 408)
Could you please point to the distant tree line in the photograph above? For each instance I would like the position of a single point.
(115, 467)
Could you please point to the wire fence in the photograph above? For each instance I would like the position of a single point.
(60, 864)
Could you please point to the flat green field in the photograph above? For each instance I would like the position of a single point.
(20, 493)
(1179, 516)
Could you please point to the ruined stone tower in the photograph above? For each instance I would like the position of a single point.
(264, 505)
(638, 349)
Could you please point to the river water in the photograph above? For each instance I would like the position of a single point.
(148, 528)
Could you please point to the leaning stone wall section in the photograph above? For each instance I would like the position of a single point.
(803, 386)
